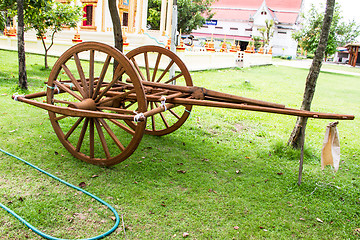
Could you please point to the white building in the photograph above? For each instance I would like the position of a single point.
(240, 20)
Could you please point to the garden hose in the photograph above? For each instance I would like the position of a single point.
(70, 185)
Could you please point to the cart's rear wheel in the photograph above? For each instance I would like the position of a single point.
(92, 85)
(157, 64)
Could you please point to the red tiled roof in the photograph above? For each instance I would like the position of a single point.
(286, 11)
(286, 17)
(233, 14)
(292, 5)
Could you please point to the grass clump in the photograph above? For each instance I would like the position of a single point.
(225, 174)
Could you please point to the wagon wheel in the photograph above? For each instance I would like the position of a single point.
(93, 86)
(154, 63)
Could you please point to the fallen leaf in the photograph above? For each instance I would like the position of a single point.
(236, 227)
(319, 220)
(302, 219)
(140, 162)
(181, 171)
(185, 234)
(205, 160)
(280, 173)
(247, 157)
(94, 176)
(357, 230)
(113, 218)
(56, 153)
(82, 184)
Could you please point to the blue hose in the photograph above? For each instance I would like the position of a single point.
(70, 185)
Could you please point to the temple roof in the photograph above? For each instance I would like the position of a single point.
(284, 11)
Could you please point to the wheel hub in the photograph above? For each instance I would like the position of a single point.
(86, 104)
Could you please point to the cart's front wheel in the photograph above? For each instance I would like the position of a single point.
(83, 78)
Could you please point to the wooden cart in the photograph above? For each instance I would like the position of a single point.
(100, 113)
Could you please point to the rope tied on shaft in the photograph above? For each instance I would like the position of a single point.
(138, 116)
(55, 88)
(15, 96)
(163, 101)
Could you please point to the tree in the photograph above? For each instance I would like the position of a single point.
(21, 45)
(190, 14)
(297, 138)
(340, 32)
(118, 38)
(267, 32)
(51, 18)
(154, 14)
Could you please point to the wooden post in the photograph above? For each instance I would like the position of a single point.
(301, 162)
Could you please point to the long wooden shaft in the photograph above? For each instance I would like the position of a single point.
(212, 93)
(286, 111)
(77, 112)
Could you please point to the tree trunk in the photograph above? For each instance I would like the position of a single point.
(115, 18)
(118, 39)
(21, 45)
(296, 137)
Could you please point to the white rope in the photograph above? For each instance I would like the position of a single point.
(163, 101)
(138, 116)
(16, 96)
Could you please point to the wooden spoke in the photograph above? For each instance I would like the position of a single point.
(61, 117)
(152, 117)
(163, 117)
(73, 80)
(118, 73)
(62, 101)
(119, 95)
(72, 129)
(174, 78)
(102, 76)
(156, 67)
(129, 105)
(91, 72)
(82, 134)
(174, 113)
(122, 126)
(91, 138)
(102, 138)
(107, 88)
(137, 68)
(68, 90)
(166, 70)
(82, 75)
(147, 66)
(112, 134)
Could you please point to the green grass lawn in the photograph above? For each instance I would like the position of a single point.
(225, 174)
